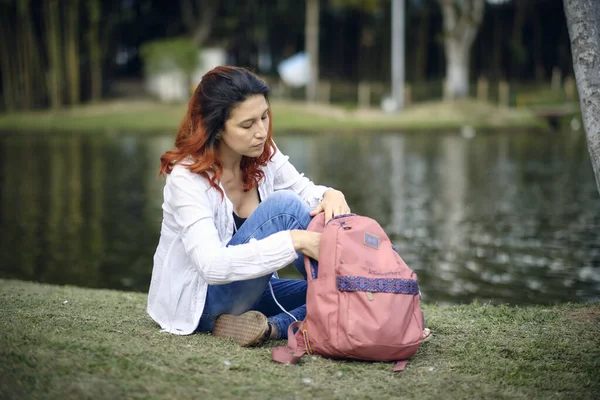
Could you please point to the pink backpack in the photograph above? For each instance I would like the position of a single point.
(365, 302)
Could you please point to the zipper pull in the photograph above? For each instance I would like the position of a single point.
(344, 225)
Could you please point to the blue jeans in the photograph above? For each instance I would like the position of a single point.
(283, 210)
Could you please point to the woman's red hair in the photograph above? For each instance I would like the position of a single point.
(219, 91)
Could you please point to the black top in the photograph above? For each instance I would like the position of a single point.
(239, 221)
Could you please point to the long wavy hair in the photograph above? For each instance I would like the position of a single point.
(217, 94)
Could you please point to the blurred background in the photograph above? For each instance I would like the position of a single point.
(58, 53)
(454, 123)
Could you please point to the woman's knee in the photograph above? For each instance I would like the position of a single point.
(285, 196)
(289, 202)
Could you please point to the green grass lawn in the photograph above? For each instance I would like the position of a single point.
(65, 342)
(147, 116)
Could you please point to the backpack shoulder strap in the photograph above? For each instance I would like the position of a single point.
(291, 353)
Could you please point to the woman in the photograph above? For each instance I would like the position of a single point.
(234, 212)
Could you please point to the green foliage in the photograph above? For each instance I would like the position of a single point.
(94, 11)
(168, 54)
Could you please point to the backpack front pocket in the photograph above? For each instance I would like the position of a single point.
(377, 312)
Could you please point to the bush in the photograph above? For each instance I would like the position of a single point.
(168, 54)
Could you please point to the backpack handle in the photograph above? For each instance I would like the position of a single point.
(317, 224)
(340, 216)
(289, 354)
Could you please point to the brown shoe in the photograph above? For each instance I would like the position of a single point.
(249, 329)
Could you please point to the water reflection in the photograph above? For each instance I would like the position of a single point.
(502, 217)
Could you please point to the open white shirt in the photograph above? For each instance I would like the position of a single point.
(196, 227)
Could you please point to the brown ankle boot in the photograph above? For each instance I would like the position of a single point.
(249, 329)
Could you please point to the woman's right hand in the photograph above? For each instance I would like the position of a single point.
(308, 243)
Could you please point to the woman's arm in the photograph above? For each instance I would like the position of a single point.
(186, 197)
(288, 178)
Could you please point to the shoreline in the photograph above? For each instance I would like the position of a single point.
(142, 116)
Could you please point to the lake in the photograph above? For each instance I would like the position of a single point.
(503, 217)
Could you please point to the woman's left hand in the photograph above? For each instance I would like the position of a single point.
(333, 203)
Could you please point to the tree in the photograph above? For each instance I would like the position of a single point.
(311, 33)
(519, 52)
(53, 45)
(366, 12)
(27, 47)
(7, 60)
(198, 17)
(462, 19)
(421, 50)
(94, 14)
(72, 50)
(583, 20)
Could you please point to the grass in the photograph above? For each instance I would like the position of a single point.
(147, 116)
(61, 342)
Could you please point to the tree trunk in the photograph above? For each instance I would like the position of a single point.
(34, 83)
(7, 62)
(457, 69)
(461, 24)
(24, 52)
(519, 55)
(312, 48)
(499, 39)
(20, 54)
(365, 46)
(583, 20)
(421, 56)
(540, 74)
(95, 52)
(52, 16)
(72, 51)
(198, 18)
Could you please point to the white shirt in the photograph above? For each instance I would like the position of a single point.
(192, 254)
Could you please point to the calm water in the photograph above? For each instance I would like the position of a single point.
(505, 218)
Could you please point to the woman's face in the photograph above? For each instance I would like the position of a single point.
(245, 131)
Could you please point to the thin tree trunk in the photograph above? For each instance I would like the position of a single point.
(363, 68)
(518, 55)
(312, 48)
(52, 16)
(22, 54)
(72, 51)
(198, 17)
(537, 49)
(583, 20)
(95, 51)
(7, 61)
(421, 56)
(32, 85)
(19, 54)
(497, 48)
(40, 85)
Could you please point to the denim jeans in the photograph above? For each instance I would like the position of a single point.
(283, 210)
